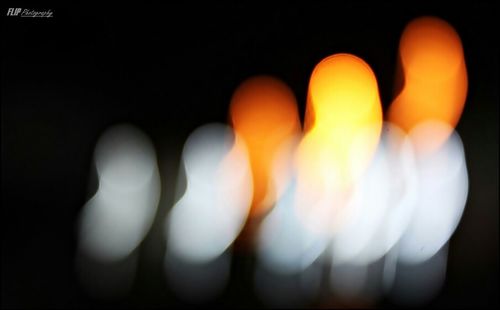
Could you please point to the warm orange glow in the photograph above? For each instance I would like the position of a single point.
(434, 76)
(264, 112)
(343, 118)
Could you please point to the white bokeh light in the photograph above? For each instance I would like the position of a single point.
(212, 211)
(116, 219)
(443, 184)
(382, 203)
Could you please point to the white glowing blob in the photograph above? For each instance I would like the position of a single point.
(285, 245)
(324, 195)
(213, 210)
(125, 159)
(382, 202)
(117, 218)
(367, 207)
(443, 192)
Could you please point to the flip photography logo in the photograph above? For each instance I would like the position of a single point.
(20, 12)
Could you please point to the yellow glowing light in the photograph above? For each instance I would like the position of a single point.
(343, 118)
(343, 125)
(264, 112)
(434, 76)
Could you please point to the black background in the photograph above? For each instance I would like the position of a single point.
(169, 70)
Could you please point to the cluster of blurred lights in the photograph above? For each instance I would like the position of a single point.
(352, 201)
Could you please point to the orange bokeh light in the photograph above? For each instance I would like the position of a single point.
(434, 76)
(343, 117)
(264, 112)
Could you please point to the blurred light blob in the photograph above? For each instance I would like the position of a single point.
(443, 189)
(117, 218)
(212, 211)
(285, 245)
(343, 106)
(434, 76)
(382, 202)
(343, 123)
(264, 112)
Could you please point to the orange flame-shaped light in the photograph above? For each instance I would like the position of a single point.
(343, 116)
(434, 77)
(343, 125)
(264, 112)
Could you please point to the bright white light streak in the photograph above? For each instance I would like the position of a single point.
(117, 218)
(443, 183)
(212, 211)
(284, 243)
(382, 202)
